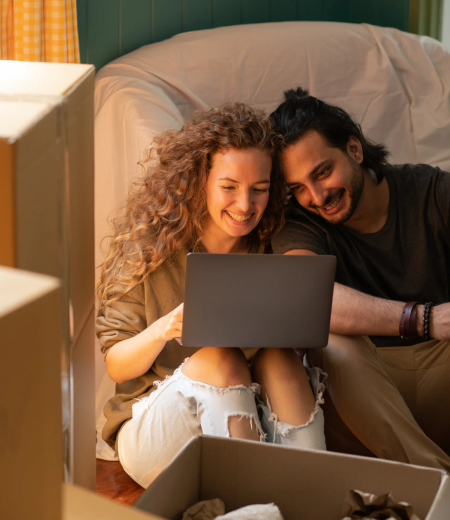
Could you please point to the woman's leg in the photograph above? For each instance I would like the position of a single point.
(223, 368)
(210, 393)
(161, 424)
(294, 412)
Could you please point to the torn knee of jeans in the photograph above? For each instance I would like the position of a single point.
(317, 379)
(254, 388)
(285, 430)
(254, 420)
(191, 403)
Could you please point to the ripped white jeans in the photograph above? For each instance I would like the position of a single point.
(181, 408)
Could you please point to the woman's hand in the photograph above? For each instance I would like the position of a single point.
(133, 357)
(170, 326)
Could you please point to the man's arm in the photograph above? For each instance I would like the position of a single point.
(354, 313)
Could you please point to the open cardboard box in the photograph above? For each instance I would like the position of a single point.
(304, 484)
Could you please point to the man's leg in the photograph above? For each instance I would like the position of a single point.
(370, 404)
(421, 374)
(337, 435)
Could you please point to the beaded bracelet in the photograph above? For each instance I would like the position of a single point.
(426, 321)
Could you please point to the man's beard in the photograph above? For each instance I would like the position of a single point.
(354, 194)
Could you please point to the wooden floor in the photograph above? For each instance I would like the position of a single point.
(114, 483)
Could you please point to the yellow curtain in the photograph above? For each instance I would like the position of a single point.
(425, 17)
(40, 30)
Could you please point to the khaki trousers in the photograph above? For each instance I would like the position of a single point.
(391, 402)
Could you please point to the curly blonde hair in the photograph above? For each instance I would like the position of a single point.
(166, 208)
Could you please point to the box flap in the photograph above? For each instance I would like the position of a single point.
(440, 510)
(19, 288)
(314, 483)
(178, 486)
(48, 79)
(81, 504)
(16, 117)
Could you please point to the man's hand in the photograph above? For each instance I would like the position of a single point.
(170, 326)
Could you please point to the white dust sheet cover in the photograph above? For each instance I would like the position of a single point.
(397, 85)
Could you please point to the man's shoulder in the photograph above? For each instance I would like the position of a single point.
(421, 171)
(419, 180)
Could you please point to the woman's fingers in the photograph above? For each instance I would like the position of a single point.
(175, 324)
(178, 312)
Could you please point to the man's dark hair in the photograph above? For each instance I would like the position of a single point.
(300, 113)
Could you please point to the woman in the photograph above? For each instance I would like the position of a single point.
(211, 190)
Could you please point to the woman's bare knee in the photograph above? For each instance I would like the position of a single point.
(284, 382)
(221, 367)
(276, 363)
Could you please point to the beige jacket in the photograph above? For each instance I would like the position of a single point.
(160, 293)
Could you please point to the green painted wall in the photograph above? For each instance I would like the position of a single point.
(110, 28)
(425, 17)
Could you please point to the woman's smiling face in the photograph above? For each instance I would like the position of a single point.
(237, 191)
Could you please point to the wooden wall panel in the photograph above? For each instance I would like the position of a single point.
(337, 11)
(102, 32)
(282, 10)
(226, 12)
(135, 25)
(197, 15)
(359, 10)
(255, 11)
(393, 14)
(111, 28)
(167, 18)
(311, 11)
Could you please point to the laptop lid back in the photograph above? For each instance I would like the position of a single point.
(255, 300)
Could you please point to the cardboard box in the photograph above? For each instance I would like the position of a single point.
(31, 454)
(31, 450)
(81, 504)
(304, 484)
(47, 215)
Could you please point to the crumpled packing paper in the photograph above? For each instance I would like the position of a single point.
(361, 506)
(215, 510)
(205, 510)
(254, 512)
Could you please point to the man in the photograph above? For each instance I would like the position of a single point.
(388, 358)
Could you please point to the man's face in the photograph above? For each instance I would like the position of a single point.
(323, 179)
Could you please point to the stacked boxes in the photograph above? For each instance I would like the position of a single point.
(47, 215)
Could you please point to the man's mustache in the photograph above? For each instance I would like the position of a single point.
(331, 198)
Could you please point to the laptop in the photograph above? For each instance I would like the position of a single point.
(256, 300)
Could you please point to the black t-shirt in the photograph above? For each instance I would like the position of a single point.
(408, 259)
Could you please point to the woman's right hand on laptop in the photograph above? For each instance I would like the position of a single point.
(170, 326)
(134, 356)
